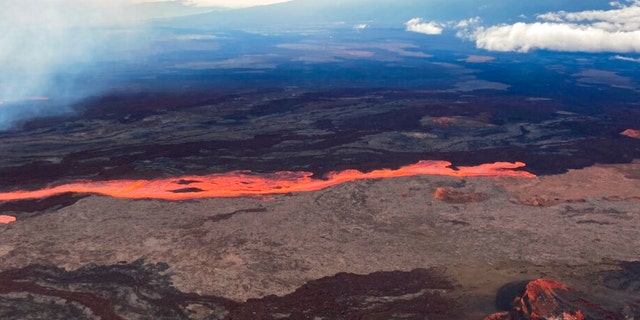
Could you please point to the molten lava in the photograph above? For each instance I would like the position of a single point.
(631, 133)
(450, 195)
(546, 299)
(245, 183)
(7, 219)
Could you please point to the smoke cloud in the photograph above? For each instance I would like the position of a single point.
(46, 46)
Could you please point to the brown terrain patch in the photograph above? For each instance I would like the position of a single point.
(605, 182)
(481, 120)
(450, 195)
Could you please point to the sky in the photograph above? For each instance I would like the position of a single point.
(195, 3)
(614, 28)
(230, 3)
(42, 37)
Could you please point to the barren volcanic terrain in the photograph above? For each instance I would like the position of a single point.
(294, 244)
(325, 175)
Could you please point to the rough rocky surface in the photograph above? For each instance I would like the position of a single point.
(546, 299)
(249, 248)
(615, 294)
(143, 291)
(574, 227)
(599, 182)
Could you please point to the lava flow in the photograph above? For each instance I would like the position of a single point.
(7, 219)
(631, 133)
(546, 299)
(245, 183)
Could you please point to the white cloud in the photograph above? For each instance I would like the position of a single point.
(467, 28)
(618, 57)
(360, 27)
(523, 37)
(626, 18)
(616, 4)
(614, 30)
(471, 22)
(417, 25)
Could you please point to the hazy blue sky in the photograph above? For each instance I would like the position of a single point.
(41, 37)
(221, 3)
(37, 32)
(499, 25)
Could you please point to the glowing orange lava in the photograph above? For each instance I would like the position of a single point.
(7, 219)
(631, 133)
(244, 183)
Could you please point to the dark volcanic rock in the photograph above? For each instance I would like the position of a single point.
(125, 291)
(162, 133)
(31, 207)
(626, 279)
(381, 295)
(546, 299)
(141, 291)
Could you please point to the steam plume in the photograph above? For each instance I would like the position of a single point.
(45, 45)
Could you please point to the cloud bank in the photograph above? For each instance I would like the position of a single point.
(419, 26)
(614, 30)
(523, 37)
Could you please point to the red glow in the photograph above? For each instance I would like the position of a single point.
(631, 133)
(244, 183)
(7, 219)
(545, 299)
(542, 297)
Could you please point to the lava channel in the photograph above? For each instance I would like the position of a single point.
(246, 183)
(7, 219)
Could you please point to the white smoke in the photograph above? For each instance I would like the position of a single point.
(45, 46)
